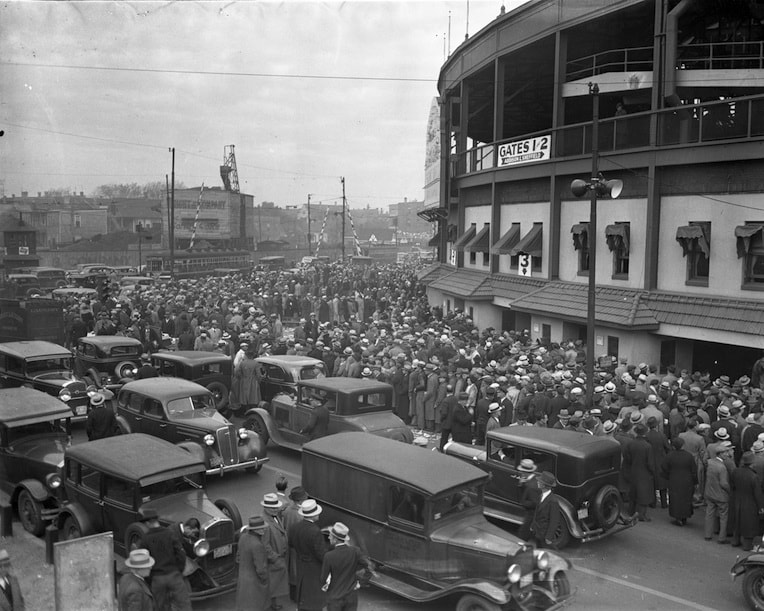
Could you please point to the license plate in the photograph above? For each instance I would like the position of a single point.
(224, 550)
(583, 513)
(526, 580)
(81, 410)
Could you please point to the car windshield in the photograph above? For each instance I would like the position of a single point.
(40, 428)
(175, 485)
(179, 408)
(455, 503)
(311, 372)
(49, 364)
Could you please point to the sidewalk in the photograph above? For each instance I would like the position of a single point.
(28, 560)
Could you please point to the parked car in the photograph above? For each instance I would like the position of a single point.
(107, 360)
(48, 277)
(24, 285)
(751, 567)
(354, 405)
(74, 291)
(184, 413)
(47, 367)
(108, 481)
(419, 517)
(586, 468)
(209, 369)
(280, 374)
(34, 432)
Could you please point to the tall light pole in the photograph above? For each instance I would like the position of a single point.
(597, 186)
(309, 248)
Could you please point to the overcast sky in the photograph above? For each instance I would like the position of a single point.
(96, 92)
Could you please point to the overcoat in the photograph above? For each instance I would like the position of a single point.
(682, 475)
(638, 462)
(134, 594)
(660, 448)
(252, 585)
(746, 489)
(247, 382)
(277, 548)
(309, 547)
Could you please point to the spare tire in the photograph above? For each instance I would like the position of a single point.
(221, 394)
(607, 507)
(122, 369)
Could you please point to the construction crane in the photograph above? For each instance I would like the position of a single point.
(228, 170)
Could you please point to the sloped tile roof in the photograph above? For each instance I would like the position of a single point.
(512, 287)
(735, 315)
(465, 283)
(433, 272)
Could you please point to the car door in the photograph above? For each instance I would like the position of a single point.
(118, 508)
(11, 371)
(503, 489)
(155, 421)
(83, 487)
(129, 407)
(404, 540)
(301, 415)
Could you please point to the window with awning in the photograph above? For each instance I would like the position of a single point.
(580, 233)
(434, 240)
(531, 243)
(617, 237)
(691, 237)
(465, 238)
(750, 244)
(482, 240)
(508, 241)
(746, 235)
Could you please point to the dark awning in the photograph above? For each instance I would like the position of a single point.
(744, 235)
(507, 241)
(687, 233)
(433, 215)
(617, 236)
(465, 238)
(531, 243)
(481, 242)
(434, 240)
(580, 233)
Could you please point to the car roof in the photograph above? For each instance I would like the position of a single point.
(166, 388)
(110, 340)
(23, 276)
(22, 406)
(552, 440)
(196, 356)
(435, 472)
(138, 457)
(346, 384)
(288, 359)
(33, 348)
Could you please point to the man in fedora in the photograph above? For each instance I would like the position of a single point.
(339, 570)
(252, 584)
(307, 544)
(134, 592)
(11, 598)
(530, 495)
(276, 546)
(547, 517)
(101, 422)
(717, 492)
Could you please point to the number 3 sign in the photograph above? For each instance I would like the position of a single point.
(524, 264)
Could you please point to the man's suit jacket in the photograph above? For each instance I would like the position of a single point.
(546, 519)
(134, 594)
(18, 598)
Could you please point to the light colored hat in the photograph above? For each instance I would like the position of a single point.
(723, 411)
(722, 434)
(96, 400)
(527, 465)
(493, 408)
(138, 559)
(758, 447)
(609, 387)
(310, 508)
(636, 416)
(340, 531)
(609, 426)
(271, 501)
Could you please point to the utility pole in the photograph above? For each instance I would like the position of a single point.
(344, 204)
(309, 249)
(167, 197)
(172, 218)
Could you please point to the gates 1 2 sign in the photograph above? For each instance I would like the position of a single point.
(525, 151)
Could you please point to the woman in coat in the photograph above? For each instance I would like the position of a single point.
(252, 585)
(749, 500)
(247, 381)
(681, 472)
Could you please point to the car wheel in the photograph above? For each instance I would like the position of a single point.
(255, 423)
(134, 536)
(560, 586)
(473, 602)
(220, 393)
(561, 537)
(230, 509)
(124, 369)
(30, 514)
(607, 507)
(72, 529)
(753, 588)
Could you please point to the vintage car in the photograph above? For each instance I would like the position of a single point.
(184, 413)
(280, 374)
(419, 517)
(353, 404)
(751, 568)
(209, 369)
(24, 285)
(108, 481)
(75, 292)
(47, 367)
(107, 360)
(586, 468)
(34, 432)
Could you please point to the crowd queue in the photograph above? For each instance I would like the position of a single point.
(687, 441)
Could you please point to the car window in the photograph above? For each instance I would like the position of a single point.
(135, 402)
(502, 452)
(89, 350)
(118, 490)
(172, 486)
(51, 364)
(124, 351)
(457, 502)
(275, 373)
(211, 368)
(314, 397)
(544, 460)
(180, 407)
(406, 505)
(90, 478)
(311, 372)
(39, 428)
(166, 368)
(3, 362)
(15, 365)
(152, 407)
(370, 402)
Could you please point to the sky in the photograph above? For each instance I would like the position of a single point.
(96, 93)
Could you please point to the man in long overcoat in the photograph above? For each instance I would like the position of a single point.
(749, 500)
(638, 463)
(660, 447)
(252, 585)
(680, 471)
(309, 547)
(461, 426)
(276, 548)
(246, 380)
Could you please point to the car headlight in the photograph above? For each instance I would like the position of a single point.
(542, 559)
(514, 573)
(53, 481)
(243, 433)
(201, 548)
(64, 394)
(209, 440)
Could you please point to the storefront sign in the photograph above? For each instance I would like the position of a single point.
(525, 151)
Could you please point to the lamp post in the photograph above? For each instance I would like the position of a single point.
(596, 187)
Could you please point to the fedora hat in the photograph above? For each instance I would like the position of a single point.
(340, 531)
(493, 408)
(722, 434)
(96, 400)
(139, 559)
(527, 465)
(256, 522)
(547, 479)
(148, 513)
(608, 427)
(310, 509)
(271, 501)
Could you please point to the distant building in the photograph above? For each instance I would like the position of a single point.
(410, 227)
(127, 214)
(18, 243)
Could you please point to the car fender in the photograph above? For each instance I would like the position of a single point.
(35, 487)
(253, 448)
(267, 420)
(571, 518)
(76, 510)
(756, 559)
(195, 450)
(123, 425)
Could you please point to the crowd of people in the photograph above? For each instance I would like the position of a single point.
(688, 440)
